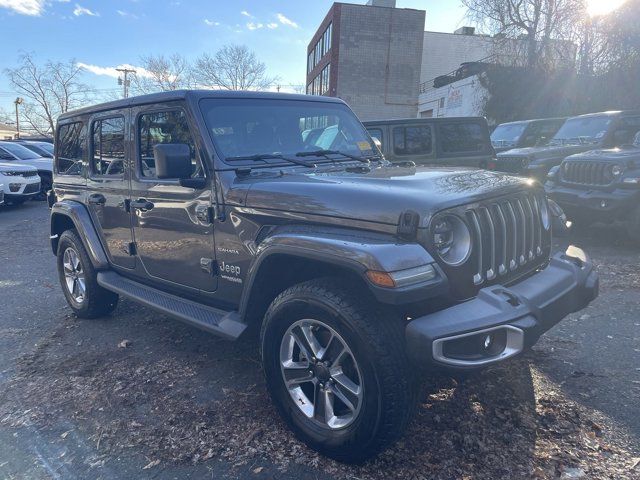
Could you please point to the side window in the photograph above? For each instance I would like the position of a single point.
(164, 127)
(4, 155)
(375, 132)
(107, 150)
(71, 144)
(415, 140)
(462, 138)
(626, 130)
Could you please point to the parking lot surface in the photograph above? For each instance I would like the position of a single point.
(140, 395)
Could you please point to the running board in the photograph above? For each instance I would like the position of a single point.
(224, 323)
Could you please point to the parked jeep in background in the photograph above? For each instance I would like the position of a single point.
(222, 209)
(600, 186)
(454, 141)
(577, 135)
(525, 133)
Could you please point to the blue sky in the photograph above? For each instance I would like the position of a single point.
(110, 33)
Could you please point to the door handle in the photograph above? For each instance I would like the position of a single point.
(141, 204)
(97, 199)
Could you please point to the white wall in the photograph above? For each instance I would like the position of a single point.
(463, 98)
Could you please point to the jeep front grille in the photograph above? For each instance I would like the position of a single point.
(587, 173)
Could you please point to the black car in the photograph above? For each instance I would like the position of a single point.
(525, 133)
(454, 141)
(600, 186)
(577, 135)
(273, 213)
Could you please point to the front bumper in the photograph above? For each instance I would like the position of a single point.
(502, 321)
(596, 204)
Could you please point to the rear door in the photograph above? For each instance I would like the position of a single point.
(464, 142)
(108, 184)
(173, 233)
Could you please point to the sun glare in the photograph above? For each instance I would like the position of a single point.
(602, 7)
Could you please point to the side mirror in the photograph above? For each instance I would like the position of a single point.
(173, 160)
(559, 224)
(377, 143)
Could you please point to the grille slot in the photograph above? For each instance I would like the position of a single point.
(587, 173)
(507, 236)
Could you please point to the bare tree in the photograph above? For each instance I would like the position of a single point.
(162, 74)
(49, 90)
(233, 67)
(541, 25)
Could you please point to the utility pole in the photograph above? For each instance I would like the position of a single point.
(18, 101)
(125, 82)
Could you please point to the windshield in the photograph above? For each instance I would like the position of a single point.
(507, 134)
(37, 148)
(248, 128)
(580, 131)
(19, 151)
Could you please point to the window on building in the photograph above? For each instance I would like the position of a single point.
(327, 38)
(327, 80)
(414, 140)
(71, 144)
(107, 151)
(310, 64)
(164, 127)
(462, 138)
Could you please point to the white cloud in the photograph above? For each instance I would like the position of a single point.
(272, 25)
(246, 14)
(211, 23)
(254, 26)
(24, 7)
(80, 10)
(111, 71)
(124, 13)
(286, 21)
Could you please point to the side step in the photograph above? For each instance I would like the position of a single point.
(220, 322)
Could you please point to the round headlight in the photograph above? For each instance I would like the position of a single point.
(451, 239)
(616, 170)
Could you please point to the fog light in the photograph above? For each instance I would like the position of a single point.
(14, 187)
(603, 204)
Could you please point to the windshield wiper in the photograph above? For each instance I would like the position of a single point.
(326, 153)
(267, 156)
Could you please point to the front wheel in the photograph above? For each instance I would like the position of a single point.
(337, 370)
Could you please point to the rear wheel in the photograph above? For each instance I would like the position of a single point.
(78, 279)
(337, 370)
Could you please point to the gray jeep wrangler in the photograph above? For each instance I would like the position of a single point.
(221, 210)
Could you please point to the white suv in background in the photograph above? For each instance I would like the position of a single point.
(18, 183)
(11, 152)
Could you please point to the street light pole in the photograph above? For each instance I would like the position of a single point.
(18, 101)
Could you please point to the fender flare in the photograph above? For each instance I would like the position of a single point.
(79, 216)
(350, 250)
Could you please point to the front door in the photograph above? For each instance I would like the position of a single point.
(108, 185)
(172, 225)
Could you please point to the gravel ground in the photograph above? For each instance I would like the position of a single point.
(139, 395)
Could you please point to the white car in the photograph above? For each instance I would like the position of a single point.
(14, 152)
(18, 183)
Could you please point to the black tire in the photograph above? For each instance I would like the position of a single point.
(46, 183)
(376, 341)
(96, 301)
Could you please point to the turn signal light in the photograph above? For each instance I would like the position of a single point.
(381, 279)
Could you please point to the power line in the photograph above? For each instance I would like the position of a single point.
(125, 82)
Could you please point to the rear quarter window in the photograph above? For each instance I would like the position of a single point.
(412, 140)
(467, 138)
(71, 143)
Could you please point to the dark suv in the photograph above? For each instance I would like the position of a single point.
(222, 210)
(600, 186)
(457, 141)
(577, 135)
(525, 133)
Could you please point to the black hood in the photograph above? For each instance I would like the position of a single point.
(379, 195)
(621, 155)
(545, 152)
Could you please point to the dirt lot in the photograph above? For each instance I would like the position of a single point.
(139, 395)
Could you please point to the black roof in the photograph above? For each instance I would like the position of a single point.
(194, 95)
(398, 121)
(552, 119)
